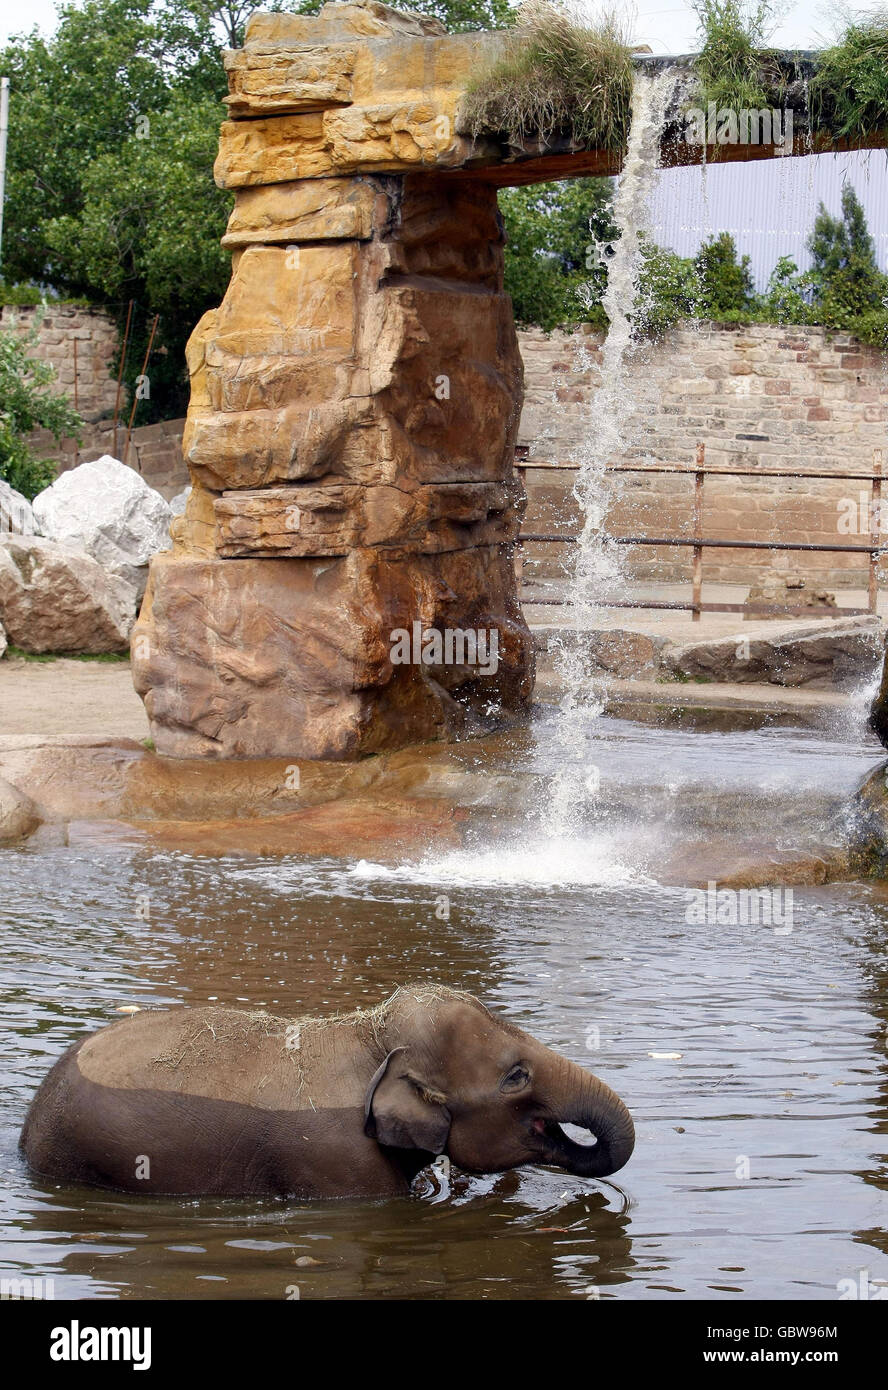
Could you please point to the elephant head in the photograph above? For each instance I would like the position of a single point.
(458, 1080)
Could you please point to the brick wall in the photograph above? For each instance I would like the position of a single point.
(758, 397)
(80, 344)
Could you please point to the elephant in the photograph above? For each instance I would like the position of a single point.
(215, 1101)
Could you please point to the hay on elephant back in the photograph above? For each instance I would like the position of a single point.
(200, 1039)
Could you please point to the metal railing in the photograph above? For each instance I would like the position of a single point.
(698, 542)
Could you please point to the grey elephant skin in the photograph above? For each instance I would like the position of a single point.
(222, 1102)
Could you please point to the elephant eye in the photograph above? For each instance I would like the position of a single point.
(516, 1079)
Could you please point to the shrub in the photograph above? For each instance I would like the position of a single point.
(668, 291)
(28, 402)
(845, 278)
(726, 285)
(787, 297)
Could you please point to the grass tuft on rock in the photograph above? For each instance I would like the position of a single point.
(735, 69)
(558, 77)
(849, 92)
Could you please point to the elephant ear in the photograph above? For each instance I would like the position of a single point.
(401, 1112)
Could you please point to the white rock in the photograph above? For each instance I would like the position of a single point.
(53, 599)
(109, 511)
(180, 501)
(16, 515)
(3, 642)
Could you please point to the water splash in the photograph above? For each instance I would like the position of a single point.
(595, 861)
(598, 570)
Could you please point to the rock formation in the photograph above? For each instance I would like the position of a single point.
(53, 599)
(354, 406)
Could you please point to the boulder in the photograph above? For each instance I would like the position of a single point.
(180, 502)
(53, 599)
(16, 514)
(822, 653)
(867, 821)
(18, 816)
(109, 511)
(787, 591)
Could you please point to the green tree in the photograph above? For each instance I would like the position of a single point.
(102, 101)
(726, 284)
(785, 299)
(148, 229)
(558, 236)
(29, 401)
(845, 277)
(668, 290)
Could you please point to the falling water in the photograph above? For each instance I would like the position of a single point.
(597, 571)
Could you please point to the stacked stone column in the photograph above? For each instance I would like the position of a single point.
(354, 406)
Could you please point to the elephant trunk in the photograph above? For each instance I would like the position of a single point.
(588, 1103)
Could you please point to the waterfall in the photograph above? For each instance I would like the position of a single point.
(597, 564)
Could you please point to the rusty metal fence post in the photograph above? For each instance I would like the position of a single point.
(875, 527)
(699, 476)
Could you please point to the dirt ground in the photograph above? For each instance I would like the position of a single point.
(70, 697)
(62, 698)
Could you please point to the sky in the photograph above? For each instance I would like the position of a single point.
(667, 25)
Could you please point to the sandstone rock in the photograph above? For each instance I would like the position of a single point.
(109, 511)
(878, 718)
(258, 658)
(18, 816)
(336, 375)
(53, 599)
(331, 520)
(868, 824)
(311, 210)
(407, 136)
(356, 88)
(16, 514)
(365, 18)
(295, 79)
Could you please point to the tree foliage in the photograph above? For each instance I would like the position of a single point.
(844, 276)
(29, 401)
(557, 239)
(725, 283)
